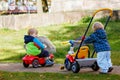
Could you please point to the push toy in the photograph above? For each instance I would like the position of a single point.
(82, 58)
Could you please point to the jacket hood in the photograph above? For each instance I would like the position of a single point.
(101, 33)
(28, 39)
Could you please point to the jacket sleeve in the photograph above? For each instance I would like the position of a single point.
(90, 39)
(35, 40)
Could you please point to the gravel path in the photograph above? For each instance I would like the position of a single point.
(18, 67)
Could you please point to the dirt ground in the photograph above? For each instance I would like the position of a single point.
(18, 67)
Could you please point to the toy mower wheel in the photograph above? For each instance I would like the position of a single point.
(95, 66)
(35, 63)
(67, 64)
(25, 65)
(75, 67)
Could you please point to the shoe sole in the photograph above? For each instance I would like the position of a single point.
(110, 69)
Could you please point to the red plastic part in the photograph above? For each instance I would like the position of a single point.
(51, 56)
(28, 59)
(83, 37)
(71, 58)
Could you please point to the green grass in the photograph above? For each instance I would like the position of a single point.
(11, 41)
(55, 76)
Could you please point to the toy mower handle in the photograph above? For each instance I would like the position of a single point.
(111, 12)
(65, 42)
(71, 41)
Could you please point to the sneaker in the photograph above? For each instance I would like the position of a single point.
(49, 63)
(110, 69)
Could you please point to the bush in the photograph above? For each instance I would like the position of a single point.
(85, 19)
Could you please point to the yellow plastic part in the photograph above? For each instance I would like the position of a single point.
(102, 9)
(65, 42)
(83, 52)
(73, 55)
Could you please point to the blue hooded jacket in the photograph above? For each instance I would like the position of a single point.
(99, 40)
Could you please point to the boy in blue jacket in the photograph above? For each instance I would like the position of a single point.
(101, 46)
(35, 47)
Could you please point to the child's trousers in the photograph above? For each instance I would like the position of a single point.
(104, 60)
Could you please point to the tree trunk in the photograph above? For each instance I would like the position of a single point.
(39, 6)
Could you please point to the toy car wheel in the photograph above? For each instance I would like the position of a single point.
(75, 67)
(25, 65)
(67, 64)
(35, 63)
(95, 66)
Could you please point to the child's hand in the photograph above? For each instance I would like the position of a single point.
(83, 37)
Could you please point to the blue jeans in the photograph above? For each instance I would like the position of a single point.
(104, 60)
(44, 53)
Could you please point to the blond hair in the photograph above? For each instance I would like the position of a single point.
(32, 31)
(97, 25)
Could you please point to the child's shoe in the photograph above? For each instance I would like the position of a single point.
(49, 63)
(110, 69)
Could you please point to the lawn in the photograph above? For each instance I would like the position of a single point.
(11, 49)
(55, 76)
